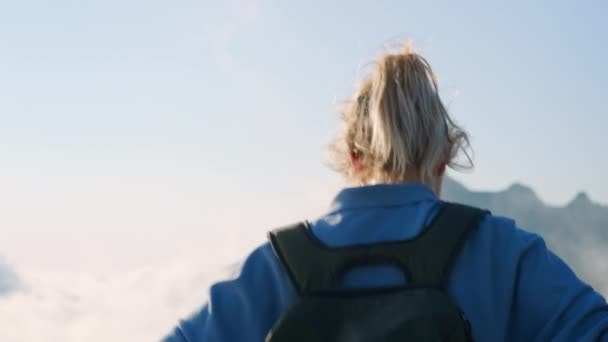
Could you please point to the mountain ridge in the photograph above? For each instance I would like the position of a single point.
(576, 231)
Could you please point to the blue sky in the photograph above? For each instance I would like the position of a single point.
(144, 129)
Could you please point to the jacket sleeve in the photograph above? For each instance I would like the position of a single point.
(243, 309)
(552, 304)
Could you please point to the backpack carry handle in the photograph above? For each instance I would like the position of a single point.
(425, 260)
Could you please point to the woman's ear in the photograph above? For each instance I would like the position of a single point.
(355, 160)
(441, 169)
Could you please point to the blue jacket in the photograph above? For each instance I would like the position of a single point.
(509, 285)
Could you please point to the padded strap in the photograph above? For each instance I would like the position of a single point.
(425, 260)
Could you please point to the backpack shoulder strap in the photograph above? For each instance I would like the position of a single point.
(301, 256)
(425, 260)
(434, 251)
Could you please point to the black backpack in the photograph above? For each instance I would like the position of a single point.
(419, 311)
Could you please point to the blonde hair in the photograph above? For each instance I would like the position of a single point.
(396, 124)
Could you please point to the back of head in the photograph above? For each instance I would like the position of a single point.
(396, 125)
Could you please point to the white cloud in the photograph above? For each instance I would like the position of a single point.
(594, 266)
(142, 305)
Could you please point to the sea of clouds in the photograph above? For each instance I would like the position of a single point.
(140, 305)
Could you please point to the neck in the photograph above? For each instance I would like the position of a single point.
(435, 186)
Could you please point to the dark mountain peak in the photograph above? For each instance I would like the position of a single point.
(521, 193)
(581, 199)
(520, 189)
